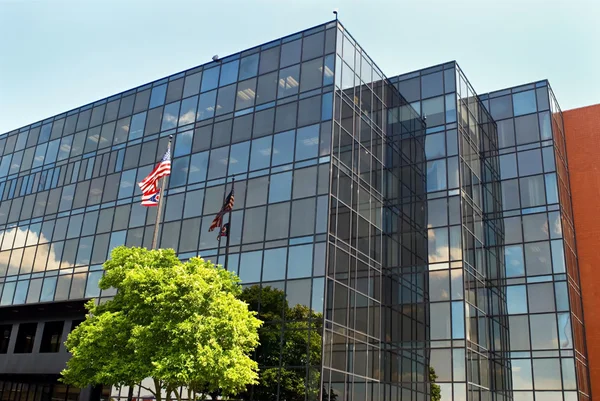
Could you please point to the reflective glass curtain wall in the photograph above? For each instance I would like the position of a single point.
(375, 149)
(69, 193)
(467, 333)
(547, 344)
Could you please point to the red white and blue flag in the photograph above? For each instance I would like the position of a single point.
(149, 187)
(151, 198)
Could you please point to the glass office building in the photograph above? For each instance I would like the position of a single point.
(378, 228)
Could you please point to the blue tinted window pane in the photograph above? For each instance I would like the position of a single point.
(450, 108)
(249, 66)
(288, 81)
(260, 155)
(170, 116)
(127, 183)
(52, 151)
(327, 106)
(558, 256)
(545, 125)
(280, 187)
(22, 140)
(524, 103)
(551, 189)
(45, 133)
(229, 73)
(21, 292)
(513, 259)
(7, 294)
(183, 144)
(516, 299)
(138, 122)
(4, 165)
(206, 107)
(187, 115)
(84, 251)
(157, 98)
(436, 175)
(307, 142)
(91, 288)
(250, 267)
(210, 78)
(65, 147)
(501, 107)
(274, 264)
(226, 100)
(117, 238)
(458, 320)
(283, 148)
(40, 153)
(238, 158)
(300, 261)
(48, 289)
(179, 172)
(217, 166)
(328, 70)
(198, 167)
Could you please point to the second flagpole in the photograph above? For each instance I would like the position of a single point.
(160, 202)
(229, 230)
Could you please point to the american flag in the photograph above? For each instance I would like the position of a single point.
(227, 206)
(148, 184)
(151, 198)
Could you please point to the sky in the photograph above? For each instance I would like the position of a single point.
(56, 55)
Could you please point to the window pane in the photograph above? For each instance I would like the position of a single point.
(280, 187)
(543, 331)
(537, 257)
(250, 267)
(300, 261)
(312, 75)
(283, 148)
(290, 53)
(187, 115)
(524, 103)
(530, 162)
(307, 142)
(532, 191)
(157, 98)
(225, 100)
(436, 175)
(249, 66)
(278, 221)
(274, 264)
(210, 79)
(238, 158)
(218, 163)
(198, 167)
(206, 105)
(183, 144)
(288, 81)
(260, 156)
(229, 73)
(245, 94)
(170, 116)
(526, 129)
(192, 84)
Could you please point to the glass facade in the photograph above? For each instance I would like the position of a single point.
(547, 344)
(386, 230)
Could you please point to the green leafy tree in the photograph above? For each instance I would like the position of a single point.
(180, 324)
(295, 343)
(436, 391)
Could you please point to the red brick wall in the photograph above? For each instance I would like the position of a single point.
(582, 132)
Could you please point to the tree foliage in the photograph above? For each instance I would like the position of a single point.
(292, 337)
(436, 391)
(181, 324)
